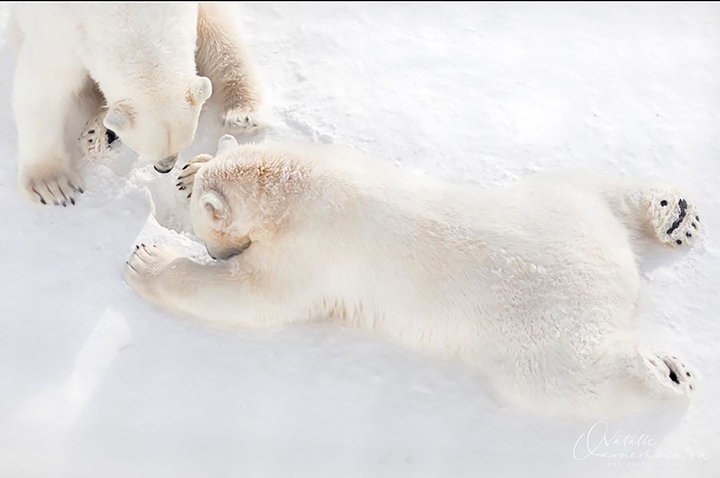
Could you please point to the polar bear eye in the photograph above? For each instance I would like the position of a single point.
(663, 203)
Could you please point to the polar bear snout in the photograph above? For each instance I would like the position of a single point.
(227, 253)
(166, 165)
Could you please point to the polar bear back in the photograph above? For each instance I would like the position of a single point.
(462, 262)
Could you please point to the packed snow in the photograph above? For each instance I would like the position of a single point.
(95, 382)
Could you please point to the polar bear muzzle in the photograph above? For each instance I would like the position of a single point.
(228, 253)
(166, 165)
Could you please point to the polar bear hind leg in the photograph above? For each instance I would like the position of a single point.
(660, 211)
(650, 375)
(657, 211)
(674, 220)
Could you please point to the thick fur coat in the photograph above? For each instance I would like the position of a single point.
(536, 284)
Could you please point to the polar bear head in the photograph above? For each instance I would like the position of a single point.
(160, 124)
(224, 236)
(243, 196)
(224, 229)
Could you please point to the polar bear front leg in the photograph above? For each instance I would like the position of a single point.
(222, 292)
(45, 85)
(222, 57)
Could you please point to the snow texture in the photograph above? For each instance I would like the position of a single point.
(97, 383)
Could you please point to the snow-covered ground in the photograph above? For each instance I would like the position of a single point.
(94, 382)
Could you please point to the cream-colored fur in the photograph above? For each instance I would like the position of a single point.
(142, 61)
(536, 284)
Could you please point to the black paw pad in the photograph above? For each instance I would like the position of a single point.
(110, 136)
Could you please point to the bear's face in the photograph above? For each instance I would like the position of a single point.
(225, 235)
(213, 224)
(159, 126)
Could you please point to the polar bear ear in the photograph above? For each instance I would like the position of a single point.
(227, 142)
(119, 117)
(214, 206)
(201, 90)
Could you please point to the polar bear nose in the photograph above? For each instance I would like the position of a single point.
(166, 165)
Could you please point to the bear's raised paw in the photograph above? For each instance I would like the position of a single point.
(96, 141)
(186, 178)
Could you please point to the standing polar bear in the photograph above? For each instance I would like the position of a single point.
(141, 60)
(536, 284)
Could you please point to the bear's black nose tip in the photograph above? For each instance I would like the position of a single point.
(163, 171)
(166, 165)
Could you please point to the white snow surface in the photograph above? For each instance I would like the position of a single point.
(95, 382)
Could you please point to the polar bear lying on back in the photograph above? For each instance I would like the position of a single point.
(536, 284)
(141, 60)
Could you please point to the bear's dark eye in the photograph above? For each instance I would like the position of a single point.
(92, 131)
(679, 242)
(688, 234)
(663, 203)
(697, 218)
(111, 136)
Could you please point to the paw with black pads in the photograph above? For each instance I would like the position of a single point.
(675, 220)
(96, 141)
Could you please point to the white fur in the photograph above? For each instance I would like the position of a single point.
(536, 284)
(141, 57)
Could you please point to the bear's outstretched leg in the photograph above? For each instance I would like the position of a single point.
(45, 86)
(657, 211)
(222, 57)
(666, 214)
(226, 292)
(650, 375)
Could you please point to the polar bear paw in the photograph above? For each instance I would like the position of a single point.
(186, 179)
(96, 141)
(671, 375)
(145, 265)
(674, 219)
(52, 181)
(240, 120)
